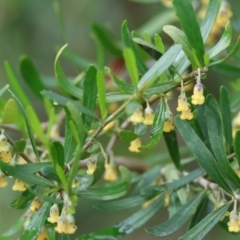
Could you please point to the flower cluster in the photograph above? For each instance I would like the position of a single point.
(234, 220)
(110, 172)
(146, 118)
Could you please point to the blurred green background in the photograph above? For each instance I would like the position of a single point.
(31, 27)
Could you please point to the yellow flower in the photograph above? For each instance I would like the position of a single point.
(54, 214)
(198, 97)
(70, 226)
(42, 235)
(54, 133)
(168, 124)
(19, 186)
(233, 224)
(134, 145)
(61, 224)
(110, 173)
(109, 126)
(137, 116)
(167, 3)
(3, 141)
(148, 116)
(182, 103)
(3, 182)
(6, 155)
(186, 114)
(92, 165)
(35, 205)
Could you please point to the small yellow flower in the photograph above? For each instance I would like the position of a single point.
(198, 97)
(6, 155)
(168, 124)
(70, 226)
(137, 116)
(3, 141)
(35, 205)
(182, 103)
(134, 145)
(186, 114)
(19, 186)
(233, 224)
(61, 224)
(3, 182)
(42, 235)
(167, 3)
(109, 126)
(54, 213)
(110, 173)
(148, 116)
(92, 165)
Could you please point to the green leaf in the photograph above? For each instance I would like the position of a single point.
(210, 17)
(188, 20)
(117, 96)
(10, 112)
(215, 134)
(230, 54)
(56, 98)
(31, 76)
(131, 66)
(100, 168)
(62, 80)
(89, 95)
(159, 67)
(179, 37)
(201, 152)
(128, 225)
(4, 89)
(172, 145)
(37, 222)
(226, 119)
(159, 43)
(104, 38)
(161, 87)
(19, 146)
(21, 173)
(57, 153)
(29, 128)
(120, 82)
(127, 136)
(223, 43)
(237, 146)
(23, 201)
(202, 228)
(157, 127)
(15, 85)
(230, 72)
(178, 219)
(36, 125)
(128, 42)
(101, 93)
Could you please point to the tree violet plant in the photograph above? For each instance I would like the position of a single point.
(53, 169)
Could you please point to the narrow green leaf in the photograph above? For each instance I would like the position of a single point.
(188, 20)
(117, 97)
(178, 219)
(89, 95)
(36, 125)
(29, 128)
(101, 93)
(223, 43)
(215, 133)
(202, 228)
(130, 62)
(10, 112)
(104, 37)
(33, 167)
(161, 87)
(128, 42)
(19, 146)
(23, 201)
(179, 37)
(237, 146)
(57, 153)
(15, 85)
(4, 89)
(157, 127)
(159, 43)
(31, 76)
(230, 72)
(210, 17)
(201, 152)
(37, 222)
(62, 80)
(159, 67)
(172, 145)
(127, 136)
(226, 113)
(20, 173)
(58, 99)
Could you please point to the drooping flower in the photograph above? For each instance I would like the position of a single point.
(233, 224)
(53, 214)
(182, 100)
(3, 182)
(61, 224)
(42, 235)
(110, 173)
(186, 114)
(198, 97)
(35, 205)
(168, 123)
(19, 186)
(134, 145)
(92, 165)
(6, 155)
(137, 116)
(3, 141)
(70, 226)
(148, 116)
